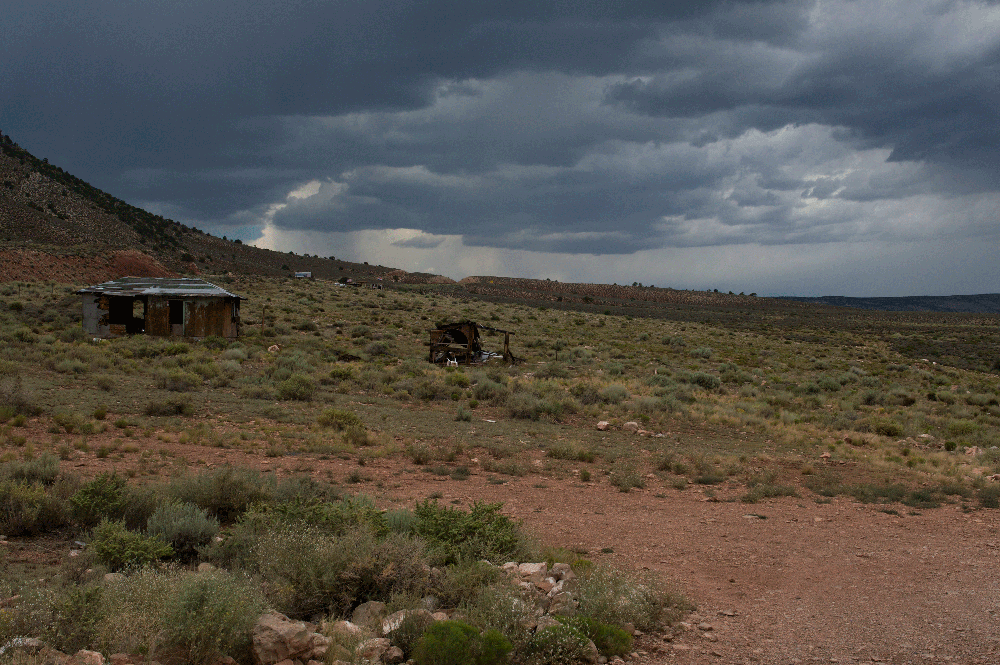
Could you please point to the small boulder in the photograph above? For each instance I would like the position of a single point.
(367, 614)
(275, 638)
(85, 657)
(372, 649)
(342, 629)
(631, 426)
(603, 425)
(529, 569)
(395, 620)
(393, 655)
(562, 571)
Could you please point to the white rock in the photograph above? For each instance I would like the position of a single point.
(528, 569)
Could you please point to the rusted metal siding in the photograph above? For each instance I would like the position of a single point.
(206, 316)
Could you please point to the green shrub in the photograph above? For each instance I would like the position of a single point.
(211, 615)
(613, 394)
(617, 597)
(410, 630)
(177, 380)
(14, 398)
(462, 582)
(886, 427)
(296, 387)
(458, 378)
(767, 491)
(70, 366)
(870, 493)
(133, 608)
(357, 437)
(43, 469)
(342, 373)
(400, 521)
(557, 645)
(587, 393)
(523, 406)
(141, 501)
(989, 496)
(377, 349)
(118, 548)
(237, 354)
(307, 571)
(488, 390)
(614, 369)
(702, 379)
(922, 498)
(305, 490)
(172, 406)
(454, 535)
(570, 451)
(339, 419)
(75, 615)
(458, 643)
(27, 509)
(829, 384)
(334, 517)
(501, 608)
(225, 493)
(184, 526)
(625, 476)
(610, 640)
(103, 498)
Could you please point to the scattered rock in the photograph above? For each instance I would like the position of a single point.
(275, 638)
(603, 425)
(631, 426)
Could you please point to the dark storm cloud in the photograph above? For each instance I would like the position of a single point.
(108, 85)
(901, 87)
(599, 127)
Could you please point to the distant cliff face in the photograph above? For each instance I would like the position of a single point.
(986, 303)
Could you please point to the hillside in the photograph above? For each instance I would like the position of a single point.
(54, 225)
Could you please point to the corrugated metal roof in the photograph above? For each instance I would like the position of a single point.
(159, 286)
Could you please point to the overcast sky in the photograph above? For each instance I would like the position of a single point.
(784, 147)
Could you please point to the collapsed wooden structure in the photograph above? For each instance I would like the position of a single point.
(460, 343)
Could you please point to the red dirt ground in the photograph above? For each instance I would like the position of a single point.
(784, 581)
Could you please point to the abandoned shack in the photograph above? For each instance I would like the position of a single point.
(182, 307)
(460, 343)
